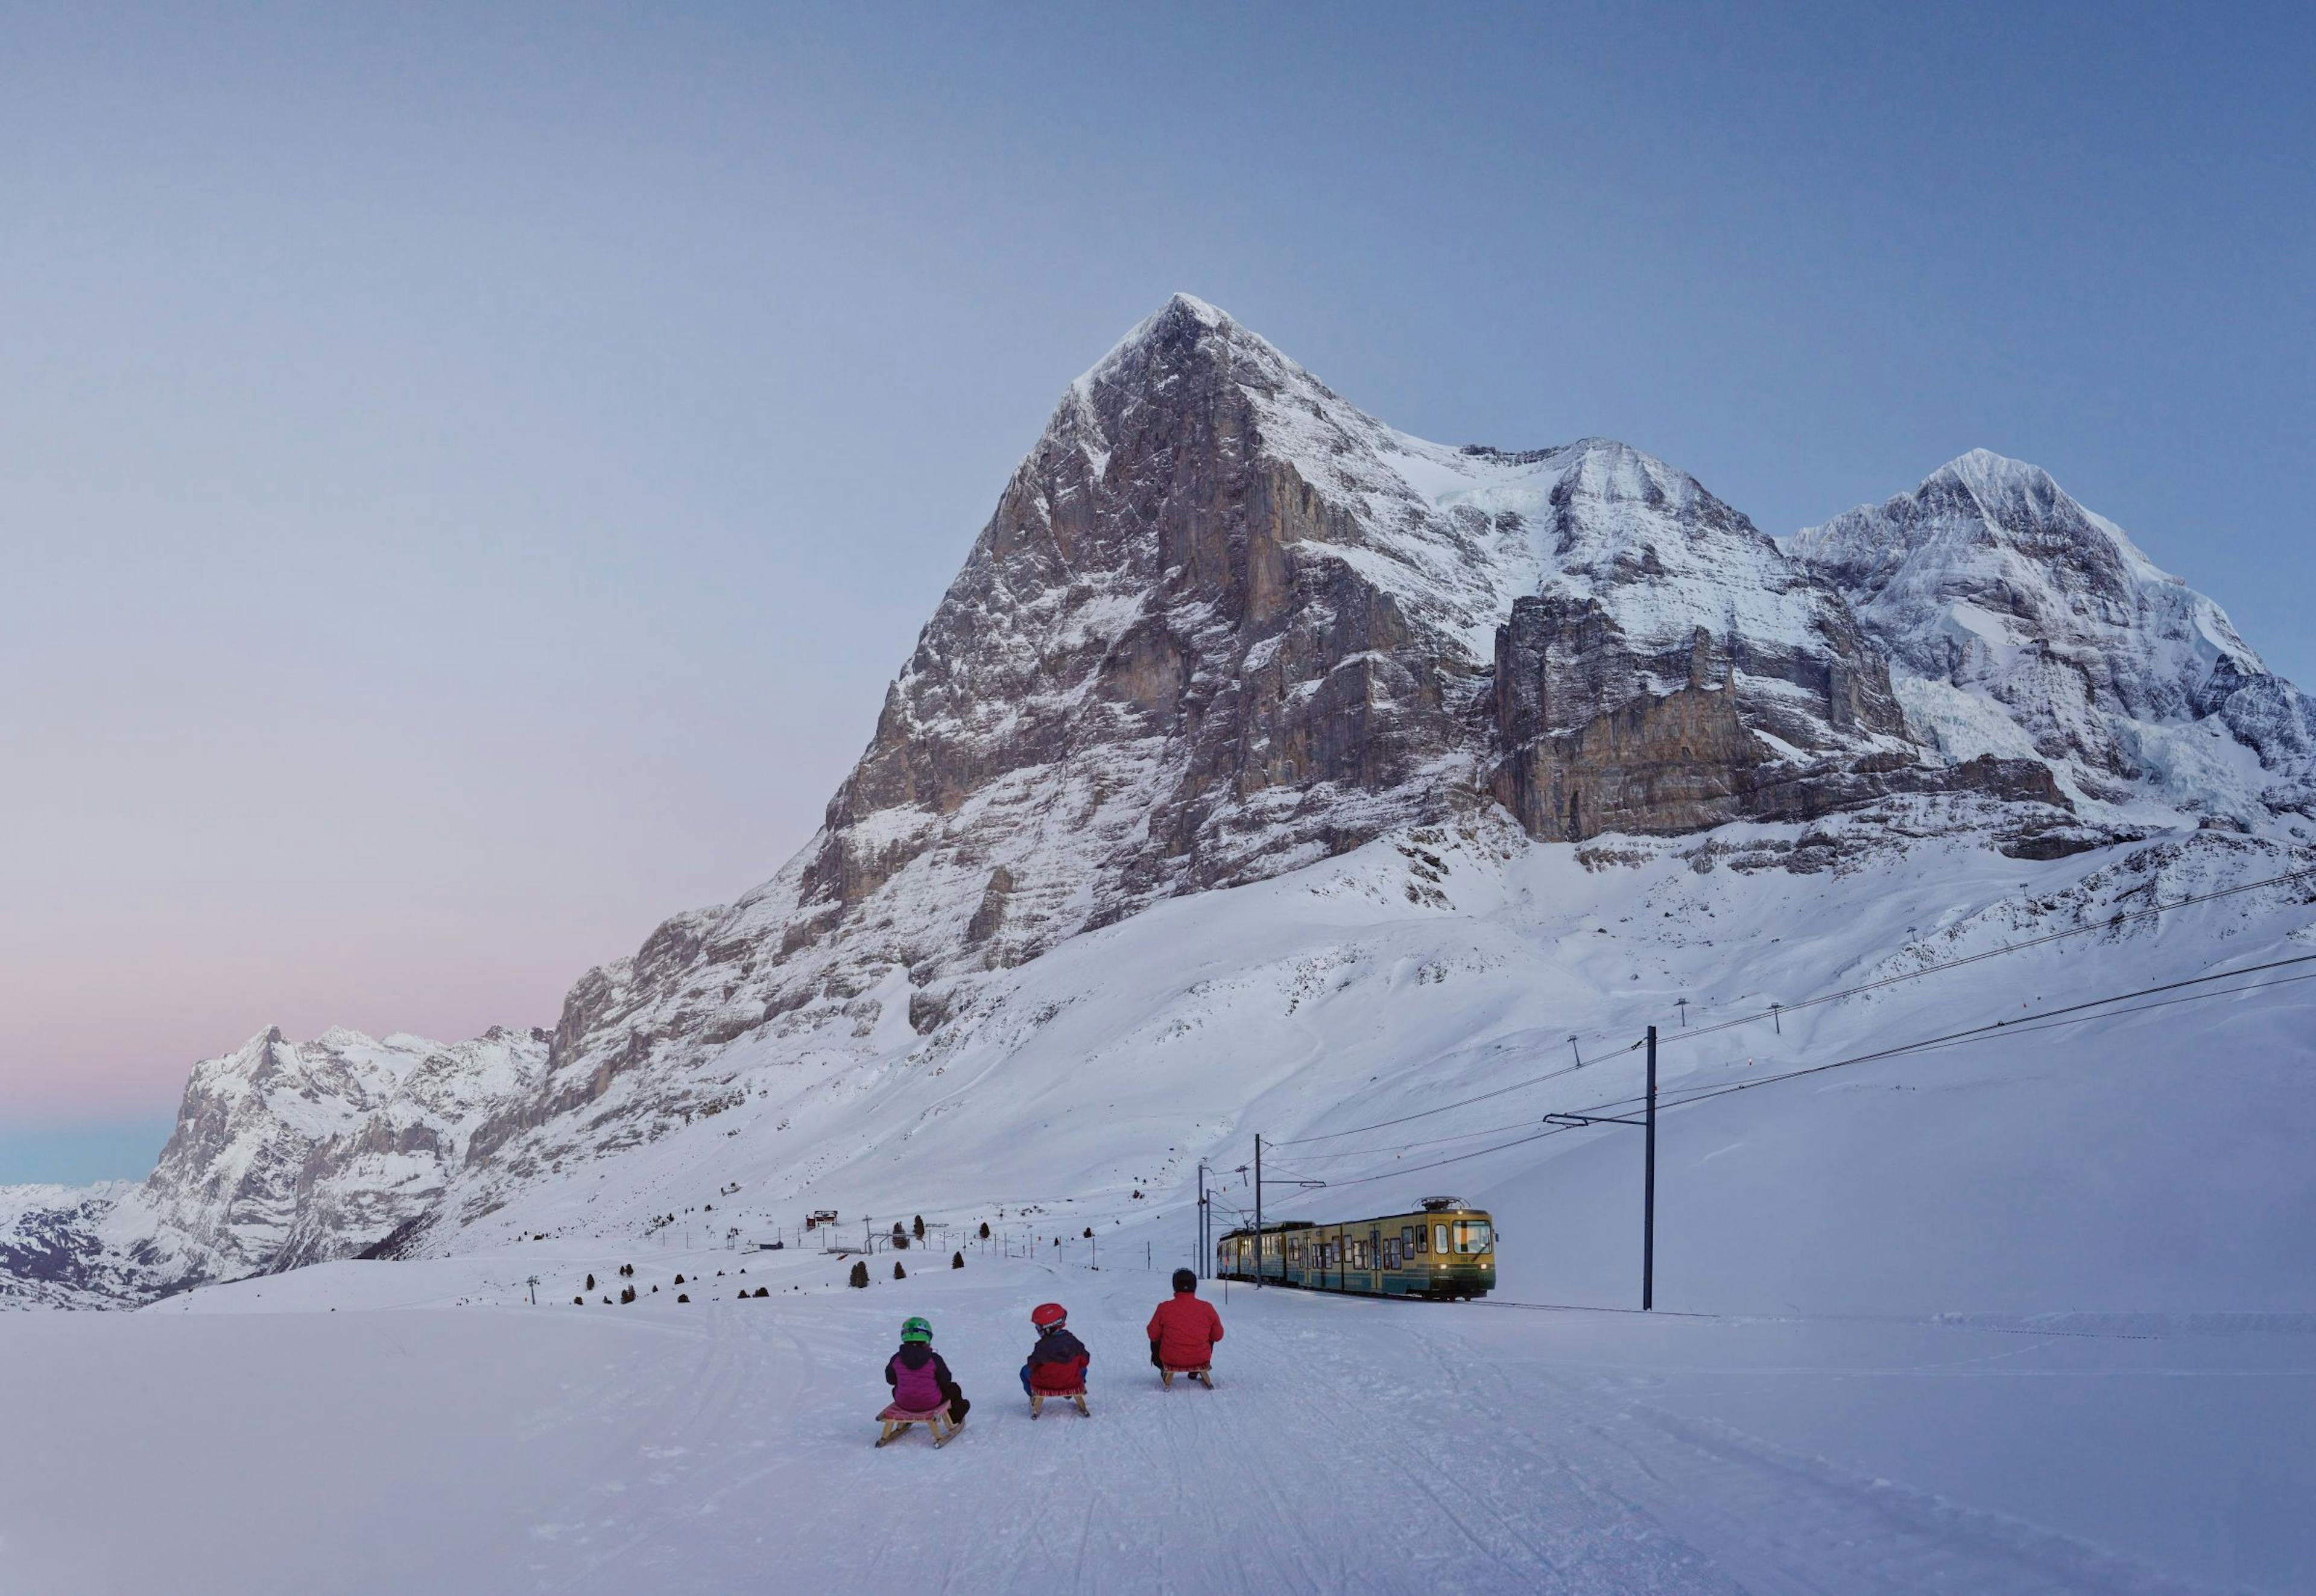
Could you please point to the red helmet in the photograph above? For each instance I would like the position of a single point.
(1049, 1316)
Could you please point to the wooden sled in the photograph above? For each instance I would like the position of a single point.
(1204, 1374)
(1038, 1400)
(936, 1421)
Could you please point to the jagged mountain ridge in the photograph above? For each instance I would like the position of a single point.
(1221, 626)
(288, 1153)
(1989, 588)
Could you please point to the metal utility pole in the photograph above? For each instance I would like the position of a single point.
(1205, 1241)
(1648, 1124)
(1257, 1209)
(532, 1281)
(1649, 1190)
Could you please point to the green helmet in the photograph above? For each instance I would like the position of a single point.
(916, 1329)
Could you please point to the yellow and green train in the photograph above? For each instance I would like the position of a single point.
(1447, 1250)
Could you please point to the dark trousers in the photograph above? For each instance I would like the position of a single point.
(957, 1402)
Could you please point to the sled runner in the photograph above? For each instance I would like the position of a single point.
(1204, 1374)
(1038, 1400)
(936, 1421)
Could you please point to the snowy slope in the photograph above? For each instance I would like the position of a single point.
(1443, 964)
(1348, 1447)
(2020, 1316)
(2019, 622)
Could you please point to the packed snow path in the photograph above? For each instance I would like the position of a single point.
(1351, 1446)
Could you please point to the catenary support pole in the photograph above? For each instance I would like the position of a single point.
(1258, 1207)
(1649, 1188)
(1206, 1241)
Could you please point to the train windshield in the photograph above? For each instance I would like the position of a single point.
(1473, 1235)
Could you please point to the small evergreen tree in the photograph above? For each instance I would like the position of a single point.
(680, 1297)
(898, 1272)
(917, 1227)
(627, 1294)
(985, 1230)
(591, 1282)
(679, 1280)
(578, 1302)
(957, 1260)
(860, 1276)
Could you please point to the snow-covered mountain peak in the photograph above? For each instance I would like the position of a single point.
(285, 1151)
(2019, 621)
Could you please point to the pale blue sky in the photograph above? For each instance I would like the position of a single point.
(467, 474)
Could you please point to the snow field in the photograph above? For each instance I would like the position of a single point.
(2028, 1314)
(1350, 1446)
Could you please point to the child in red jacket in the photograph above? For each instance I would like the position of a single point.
(1057, 1363)
(1183, 1330)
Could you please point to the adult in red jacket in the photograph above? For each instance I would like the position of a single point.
(1184, 1330)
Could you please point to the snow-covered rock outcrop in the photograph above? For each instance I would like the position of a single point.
(286, 1152)
(2019, 623)
(52, 1253)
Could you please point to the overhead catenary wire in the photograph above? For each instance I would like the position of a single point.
(2070, 1014)
(2073, 1014)
(1776, 1011)
(1554, 1075)
(2015, 1027)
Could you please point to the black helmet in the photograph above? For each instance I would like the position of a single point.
(1184, 1280)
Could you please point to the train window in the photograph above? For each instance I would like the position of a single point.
(1391, 1253)
(1407, 1242)
(1473, 1235)
(1439, 1238)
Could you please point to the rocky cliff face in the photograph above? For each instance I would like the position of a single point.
(2018, 622)
(287, 1153)
(53, 1252)
(1221, 625)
